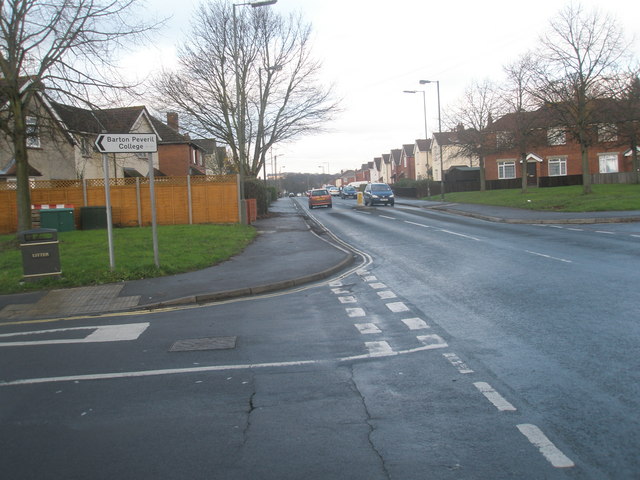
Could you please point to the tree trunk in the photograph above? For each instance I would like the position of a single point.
(586, 174)
(23, 191)
(483, 177)
(523, 158)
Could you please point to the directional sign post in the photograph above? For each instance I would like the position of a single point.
(128, 143)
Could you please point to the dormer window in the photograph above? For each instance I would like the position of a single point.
(556, 136)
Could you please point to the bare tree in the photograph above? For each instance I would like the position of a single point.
(580, 55)
(248, 79)
(478, 107)
(627, 112)
(68, 47)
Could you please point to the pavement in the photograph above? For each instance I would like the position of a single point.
(290, 250)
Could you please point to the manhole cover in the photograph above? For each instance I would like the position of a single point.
(208, 343)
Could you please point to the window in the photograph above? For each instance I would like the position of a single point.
(607, 133)
(557, 166)
(507, 169)
(32, 131)
(608, 162)
(556, 136)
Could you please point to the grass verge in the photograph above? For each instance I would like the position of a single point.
(560, 199)
(84, 254)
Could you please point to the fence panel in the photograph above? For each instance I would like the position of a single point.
(214, 199)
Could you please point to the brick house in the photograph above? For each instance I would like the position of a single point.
(178, 155)
(453, 153)
(551, 150)
(422, 158)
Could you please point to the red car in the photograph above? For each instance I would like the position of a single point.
(319, 197)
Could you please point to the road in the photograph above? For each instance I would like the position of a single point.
(459, 349)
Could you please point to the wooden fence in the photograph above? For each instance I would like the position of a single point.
(179, 200)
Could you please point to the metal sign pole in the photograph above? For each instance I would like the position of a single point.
(154, 226)
(107, 197)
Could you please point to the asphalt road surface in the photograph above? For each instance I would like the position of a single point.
(457, 349)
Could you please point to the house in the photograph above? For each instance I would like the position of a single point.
(422, 158)
(453, 153)
(407, 167)
(551, 150)
(387, 170)
(346, 177)
(178, 155)
(394, 158)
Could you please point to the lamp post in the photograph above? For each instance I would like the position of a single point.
(437, 82)
(240, 104)
(426, 135)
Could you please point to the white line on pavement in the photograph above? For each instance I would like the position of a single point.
(367, 328)
(378, 348)
(415, 323)
(494, 397)
(457, 363)
(386, 294)
(397, 307)
(101, 333)
(355, 312)
(546, 447)
(548, 256)
(348, 299)
(432, 341)
(459, 234)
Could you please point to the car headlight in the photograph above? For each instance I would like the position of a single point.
(391, 196)
(374, 196)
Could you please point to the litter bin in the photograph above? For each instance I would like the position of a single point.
(60, 219)
(92, 218)
(40, 256)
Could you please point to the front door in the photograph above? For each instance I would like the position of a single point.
(532, 175)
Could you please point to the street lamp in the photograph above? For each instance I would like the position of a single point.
(437, 82)
(240, 104)
(426, 135)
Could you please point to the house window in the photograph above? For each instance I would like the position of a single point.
(33, 133)
(607, 133)
(608, 162)
(504, 139)
(557, 166)
(506, 169)
(556, 136)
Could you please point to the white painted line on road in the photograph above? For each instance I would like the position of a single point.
(340, 291)
(367, 328)
(362, 272)
(201, 369)
(494, 397)
(457, 363)
(432, 341)
(386, 294)
(418, 224)
(335, 283)
(415, 323)
(387, 217)
(546, 447)
(575, 229)
(364, 213)
(355, 312)
(459, 234)
(397, 307)
(549, 256)
(637, 236)
(101, 333)
(377, 285)
(370, 278)
(605, 232)
(348, 299)
(377, 349)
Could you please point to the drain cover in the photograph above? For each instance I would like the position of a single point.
(207, 343)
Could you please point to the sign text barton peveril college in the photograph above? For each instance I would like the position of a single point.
(127, 143)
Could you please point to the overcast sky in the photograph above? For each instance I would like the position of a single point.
(373, 50)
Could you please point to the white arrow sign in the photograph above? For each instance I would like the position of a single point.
(127, 143)
(101, 333)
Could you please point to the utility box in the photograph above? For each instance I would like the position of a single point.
(40, 255)
(60, 219)
(92, 218)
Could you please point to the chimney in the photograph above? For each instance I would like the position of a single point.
(172, 121)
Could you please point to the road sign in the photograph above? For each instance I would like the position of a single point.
(127, 143)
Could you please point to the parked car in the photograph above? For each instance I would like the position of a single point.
(348, 192)
(319, 197)
(334, 191)
(380, 193)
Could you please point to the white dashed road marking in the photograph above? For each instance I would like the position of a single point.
(457, 363)
(415, 323)
(377, 285)
(494, 397)
(367, 328)
(355, 312)
(548, 256)
(378, 348)
(397, 307)
(349, 299)
(386, 294)
(432, 341)
(546, 447)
